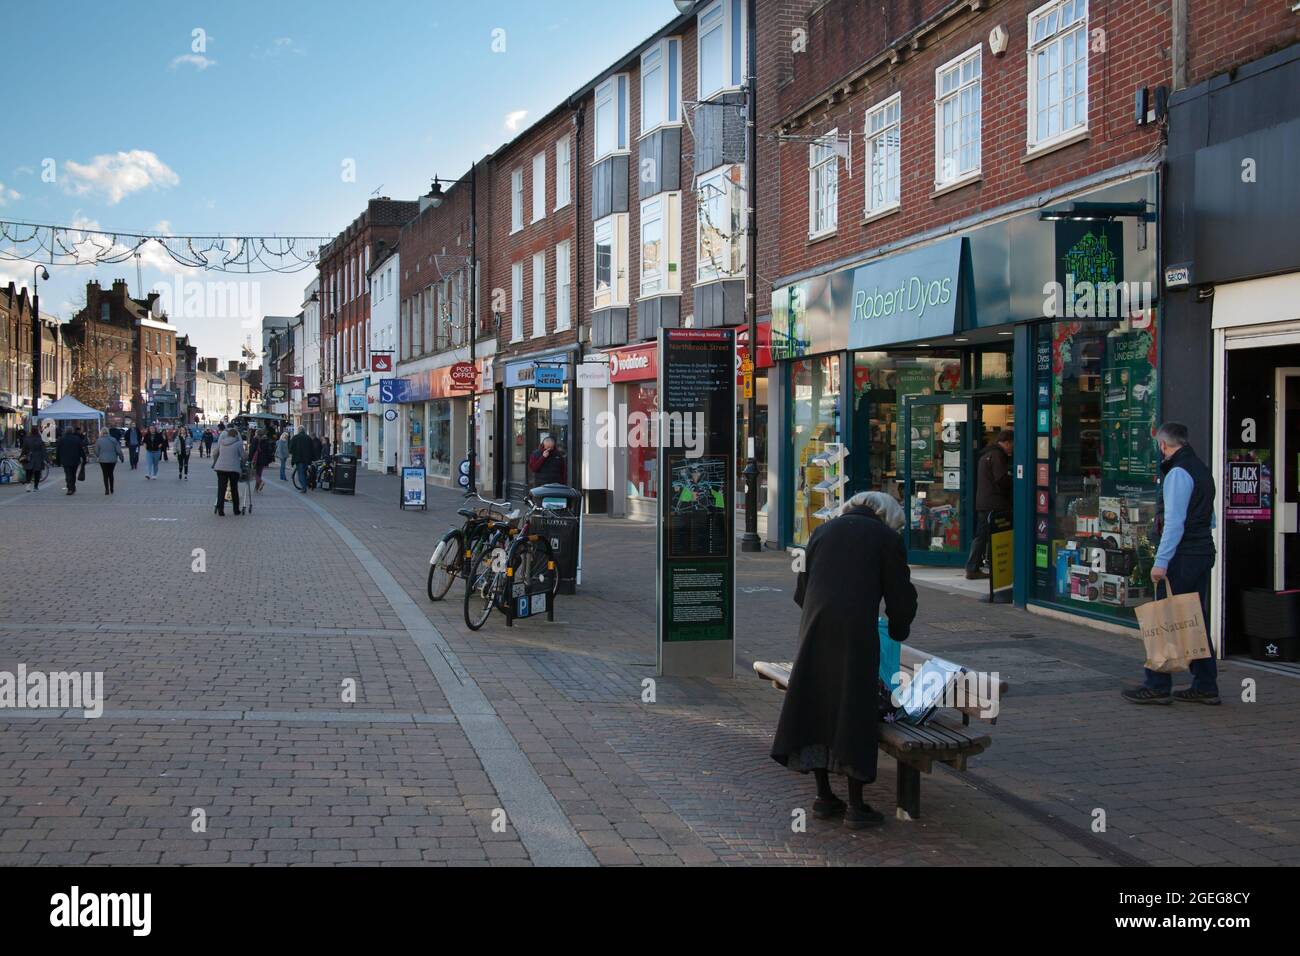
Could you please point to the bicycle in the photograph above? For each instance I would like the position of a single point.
(513, 569)
(458, 546)
(320, 475)
(8, 471)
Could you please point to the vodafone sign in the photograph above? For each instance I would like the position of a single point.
(634, 364)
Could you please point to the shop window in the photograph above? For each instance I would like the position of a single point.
(719, 208)
(815, 416)
(957, 119)
(823, 185)
(884, 149)
(1058, 71)
(641, 458)
(440, 439)
(1095, 464)
(993, 370)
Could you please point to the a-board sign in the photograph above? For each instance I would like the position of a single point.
(413, 491)
(696, 460)
(1002, 567)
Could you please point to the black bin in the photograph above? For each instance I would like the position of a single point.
(560, 522)
(345, 475)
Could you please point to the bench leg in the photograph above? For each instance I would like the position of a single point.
(908, 792)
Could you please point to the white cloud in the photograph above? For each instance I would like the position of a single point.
(118, 175)
(515, 119)
(7, 194)
(196, 60)
(284, 45)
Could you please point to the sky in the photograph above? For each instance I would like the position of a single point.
(245, 118)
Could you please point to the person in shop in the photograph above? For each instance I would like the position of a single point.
(547, 465)
(992, 498)
(830, 717)
(1185, 524)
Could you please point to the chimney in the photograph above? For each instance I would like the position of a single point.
(119, 285)
(232, 366)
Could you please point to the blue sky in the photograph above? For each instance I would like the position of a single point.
(250, 133)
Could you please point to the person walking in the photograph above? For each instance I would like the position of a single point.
(71, 452)
(208, 439)
(1185, 522)
(300, 451)
(992, 498)
(282, 452)
(830, 716)
(317, 448)
(34, 457)
(134, 439)
(547, 465)
(108, 452)
(154, 445)
(227, 463)
(182, 454)
(324, 447)
(262, 454)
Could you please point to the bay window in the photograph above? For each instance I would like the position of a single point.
(661, 244)
(720, 47)
(610, 262)
(720, 241)
(1058, 71)
(661, 84)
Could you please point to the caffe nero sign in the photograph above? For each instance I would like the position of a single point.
(909, 297)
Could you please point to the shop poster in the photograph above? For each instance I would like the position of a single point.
(1249, 484)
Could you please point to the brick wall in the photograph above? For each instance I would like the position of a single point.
(1137, 39)
(1223, 34)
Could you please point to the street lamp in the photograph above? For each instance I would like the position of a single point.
(334, 371)
(750, 541)
(435, 199)
(41, 273)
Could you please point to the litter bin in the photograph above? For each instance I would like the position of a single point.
(561, 522)
(345, 475)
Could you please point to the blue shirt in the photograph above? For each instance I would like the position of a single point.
(1178, 492)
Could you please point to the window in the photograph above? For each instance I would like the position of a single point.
(610, 286)
(823, 185)
(720, 244)
(957, 119)
(884, 144)
(661, 244)
(516, 200)
(563, 172)
(721, 42)
(611, 116)
(539, 187)
(563, 293)
(1058, 71)
(516, 301)
(539, 294)
(661, 84)
(426, 310)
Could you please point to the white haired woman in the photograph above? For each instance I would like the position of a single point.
(830, 715)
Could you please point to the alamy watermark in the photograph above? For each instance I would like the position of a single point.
(1096, 300)
(53, 690)
(636, 429)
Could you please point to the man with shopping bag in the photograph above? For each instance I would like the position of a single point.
(1175, 634)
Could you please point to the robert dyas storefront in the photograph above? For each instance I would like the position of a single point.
(1044, 322)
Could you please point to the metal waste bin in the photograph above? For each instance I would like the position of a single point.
(561, 523)
(345, 475)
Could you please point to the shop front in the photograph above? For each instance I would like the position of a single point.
(353, 408)
(432, 425)
(1043, 323)
(539, 401)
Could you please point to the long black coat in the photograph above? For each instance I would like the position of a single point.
(831, 713)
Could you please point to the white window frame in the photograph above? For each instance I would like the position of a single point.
(823, 185)
(611, 93)
(563, 285)
(539, 186)
(665, 56)
(611, 229)
(516, 200)
(563, 172)
(976, 83)
(516, 302)
(878, 144)
(731, 22)
(539, 294)
(718, 187)
(1054, 40)
(664, 210)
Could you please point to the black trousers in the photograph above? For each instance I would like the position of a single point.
(224, 479)
(107, 468)
(70, 477)
(979, 547)
(183, 462)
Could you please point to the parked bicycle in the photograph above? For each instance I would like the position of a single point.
(320, 476)
(514, 571)
(451, 558)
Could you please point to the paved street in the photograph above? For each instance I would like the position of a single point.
(227, 692)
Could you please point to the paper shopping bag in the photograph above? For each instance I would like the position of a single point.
(1173, 629)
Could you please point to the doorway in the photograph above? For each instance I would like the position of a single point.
(937, 470)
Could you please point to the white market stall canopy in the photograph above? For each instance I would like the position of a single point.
(69, 409)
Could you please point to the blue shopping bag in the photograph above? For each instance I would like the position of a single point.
(889, 653)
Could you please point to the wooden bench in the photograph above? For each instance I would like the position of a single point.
(916, 749)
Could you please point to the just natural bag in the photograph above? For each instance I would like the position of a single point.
(1173, 630)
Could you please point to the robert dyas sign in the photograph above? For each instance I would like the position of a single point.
(908, 297)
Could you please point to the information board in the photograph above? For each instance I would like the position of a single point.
(697, 440)
(413, 491)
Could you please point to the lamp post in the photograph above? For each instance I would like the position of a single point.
(39, 272)
(750, 540)
(435, 198)
(334, 371)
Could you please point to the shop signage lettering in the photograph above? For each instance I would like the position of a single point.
(1250, 486)
(913, 295)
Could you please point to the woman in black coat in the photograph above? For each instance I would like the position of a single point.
(829, 721)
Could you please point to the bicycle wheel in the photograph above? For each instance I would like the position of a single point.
(532, 564)
(445, 564)
(483, 588)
